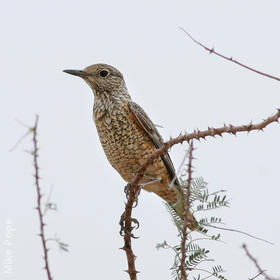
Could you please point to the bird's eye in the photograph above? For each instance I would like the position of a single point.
(103, 73)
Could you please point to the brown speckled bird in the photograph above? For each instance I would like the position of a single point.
(127, 134)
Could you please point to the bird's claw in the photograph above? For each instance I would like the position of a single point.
(135, 221)
(127, 192)
(123, 225)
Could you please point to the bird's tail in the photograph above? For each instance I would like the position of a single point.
(175, 197)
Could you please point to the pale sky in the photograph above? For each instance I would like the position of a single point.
(179, 85)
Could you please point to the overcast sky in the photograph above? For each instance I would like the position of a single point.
(179, 85)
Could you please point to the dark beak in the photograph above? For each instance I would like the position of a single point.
(79, 73)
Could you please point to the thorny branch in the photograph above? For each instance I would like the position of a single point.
(261, 271)
(198, 135)
(127, 228)
(238, 231)
(134, 188)
(39, 197)
(183, 267)
(229, 58)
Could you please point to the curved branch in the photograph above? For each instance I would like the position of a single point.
(197, 134)
(183, 267)
(261, 271)
(229, 58)
(39, 197)
(127, 228)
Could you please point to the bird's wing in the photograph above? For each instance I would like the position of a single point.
(145, 123)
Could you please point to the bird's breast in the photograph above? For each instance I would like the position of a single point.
(125, 144)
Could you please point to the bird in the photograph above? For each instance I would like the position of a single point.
(128, 136)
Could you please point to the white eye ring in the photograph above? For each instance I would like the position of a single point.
(103, 73)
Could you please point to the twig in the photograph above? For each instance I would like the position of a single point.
(39, 196)
(204, 270)
(244, 246)
(238, 231)
(49, 205)
(183, 267)
(30, 130)
(197, 134)
(229, 58)
(126, 217)
(179, 170)
(260, 273)
(61, 245)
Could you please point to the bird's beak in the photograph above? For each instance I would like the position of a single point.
(79, 73)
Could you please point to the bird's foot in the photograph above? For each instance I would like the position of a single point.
(149, 183)
(126, 225)
(127, 190)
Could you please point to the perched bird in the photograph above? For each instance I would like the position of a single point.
(128, 136)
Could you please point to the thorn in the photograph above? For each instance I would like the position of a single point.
(132, 271)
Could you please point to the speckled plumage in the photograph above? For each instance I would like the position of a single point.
(126, 133)
(126, 146)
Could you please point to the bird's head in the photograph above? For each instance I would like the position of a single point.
(103, 79)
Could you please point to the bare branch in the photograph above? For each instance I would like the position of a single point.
(229, 58)
(238, 231)
(39, 197)
(127, 229)
(197, 134)
(183, 267)
(261, 271)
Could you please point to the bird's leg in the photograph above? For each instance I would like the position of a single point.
(126, 220)
(126, 190)
(123, 219)
(149, 183)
